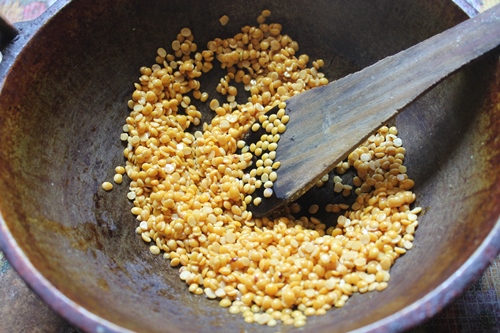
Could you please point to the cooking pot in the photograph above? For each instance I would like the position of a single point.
(65, 82)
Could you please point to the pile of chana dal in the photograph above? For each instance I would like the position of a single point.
(191, 188)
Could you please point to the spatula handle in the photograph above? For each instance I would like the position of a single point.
(328, 122)
(381, 90)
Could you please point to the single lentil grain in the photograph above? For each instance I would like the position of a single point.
(107, 186)
(118, 178)
(224, 19)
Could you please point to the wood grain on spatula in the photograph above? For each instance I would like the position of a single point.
(328, 122)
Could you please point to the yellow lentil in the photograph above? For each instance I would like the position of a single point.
(120, 170)
(154, 249)
(191, 193)
(224, 19)
(118, 178)
(107, 186)
(186, 32)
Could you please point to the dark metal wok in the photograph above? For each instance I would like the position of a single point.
(64, 85)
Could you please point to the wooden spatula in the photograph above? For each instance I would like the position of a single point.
(328, 122)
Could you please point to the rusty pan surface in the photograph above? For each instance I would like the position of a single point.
(66, 80)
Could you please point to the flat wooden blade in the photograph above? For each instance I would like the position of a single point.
(328, 122)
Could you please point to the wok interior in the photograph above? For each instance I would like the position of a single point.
(64, 103)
